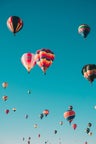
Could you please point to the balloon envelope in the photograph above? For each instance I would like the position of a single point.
(28, 61)
(15, 24)
(44, 58)
(84, 30)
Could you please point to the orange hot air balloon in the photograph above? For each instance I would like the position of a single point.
(74, 126)
(4, 84)
(28, 61)
(15, 24)
(45, 112)
(44, 58)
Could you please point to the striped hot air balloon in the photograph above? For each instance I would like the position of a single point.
(44, 58)
(28, 61)
(69, 115)
(89, 72)
(83, 30)
(15, 24)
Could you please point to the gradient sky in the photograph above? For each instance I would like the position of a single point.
(49, 24)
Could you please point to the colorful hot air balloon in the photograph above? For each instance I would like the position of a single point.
(89, 72)
(55, 131)
(84, 30)
(44, 58)
(15, 24)
(28, 61)
(45, 112)
(74, 126)
(5, 98)
(4, 84)
(69, 115)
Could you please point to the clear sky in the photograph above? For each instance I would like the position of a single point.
(49, 24)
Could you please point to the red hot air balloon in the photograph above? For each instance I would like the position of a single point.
(28, 61)
(7, 111)
(69, 115)
(45, 112)
(74, 126)
(5, 98)
(44, 58)
(15, 24)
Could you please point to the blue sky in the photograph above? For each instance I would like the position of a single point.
(54, 25)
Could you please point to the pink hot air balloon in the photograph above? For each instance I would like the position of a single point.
(28, 61)
(74, 126)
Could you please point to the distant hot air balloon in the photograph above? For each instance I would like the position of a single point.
(70, 107)
(95, 107)
(74, 126)
(46, 112)
(5, 98)
(44, 58)
(90, 133)
(87, 130)
(38, 135)
(55, 131)
(29, 91)
(41, 115)
(84, 30)
(28, 61)
(89, 124)
(61, 122)
(26, 116)
(15, 24)
(35, 125)
(89, 72)
(4, 84)
(69, 115)
(7, 111)
(86, 142)
(14, 109)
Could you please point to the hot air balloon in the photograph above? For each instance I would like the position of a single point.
(55, 131)
(29, 91)
(7, 111)
(45, 112)
(28, 61)
(41, 115)
(14, 109)
(70, 107)
(44, 58)
(69, 115)
(87, 130)
(15, 24)
(26, 116)
(84, 30)
(74, 126)
(29, 138)
(95, 107)
(89, 72)
(38, 135)
(89, 124)
(61, 122)
(90, 133)
(4, 84)
(5, 98)
(35, 125)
